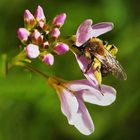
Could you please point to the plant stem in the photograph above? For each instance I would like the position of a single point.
(29, 67)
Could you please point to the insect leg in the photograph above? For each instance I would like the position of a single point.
(89, 65)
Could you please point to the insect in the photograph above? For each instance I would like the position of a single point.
(96, 50)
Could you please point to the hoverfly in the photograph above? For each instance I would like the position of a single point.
(96, 50)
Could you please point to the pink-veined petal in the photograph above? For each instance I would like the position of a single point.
(82, 120)
(69, 104)
(101, 28)
(83, 84)
(84, 32)
(83, 63)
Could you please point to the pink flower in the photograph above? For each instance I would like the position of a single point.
(39, 14)
(87, 30)
(23, 34)
(32, 51)
(55, 33)
(59, 20)
(72, 96)
(61, 48)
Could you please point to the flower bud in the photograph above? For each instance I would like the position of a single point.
(59, 20)
(37, 38)
(39, 14)
(55, 33)
(29, 19)
(48, 59)
(46, 44)
(61, 48)
(32, 51)
(23, 34)
(41, 24)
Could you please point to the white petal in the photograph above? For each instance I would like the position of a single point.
(105, 97)
(69, 104)
(82, 120)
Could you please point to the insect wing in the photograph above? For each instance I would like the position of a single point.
(112, 65)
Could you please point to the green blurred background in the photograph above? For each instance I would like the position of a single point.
(30, 109)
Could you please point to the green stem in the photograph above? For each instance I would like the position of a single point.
(29, 67)
(21, 60)
(17, 60)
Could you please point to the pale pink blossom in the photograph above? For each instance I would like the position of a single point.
(72, 96)
(87, 30)
(48, 59)
(61, 48)
(32, 51)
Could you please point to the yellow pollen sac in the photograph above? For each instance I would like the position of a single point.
(97, 73)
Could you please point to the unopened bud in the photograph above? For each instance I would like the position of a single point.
(61, 48)
(29, 19)
(39, 14)
(59, 20)
(23, 34)
(48, 59)
(32, 51)
(55, 33)
(37, 38)
(41, 24)
(46, 44)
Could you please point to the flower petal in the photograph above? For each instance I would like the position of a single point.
(105, 97)
(101, 28)
(83, 84)
(69, 104)
(83, 63)
(84, 32)
(82, 120)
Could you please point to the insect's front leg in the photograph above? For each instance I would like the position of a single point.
(89, 65)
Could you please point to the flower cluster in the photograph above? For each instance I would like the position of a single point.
(41, 39)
